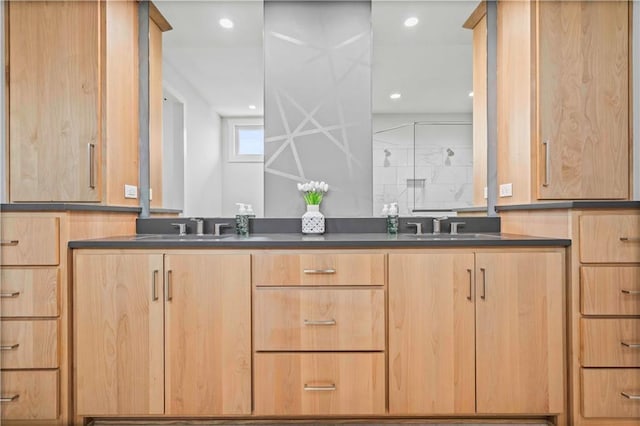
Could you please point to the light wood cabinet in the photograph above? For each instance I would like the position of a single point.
(610, 342)
(174, 334)
(610, 290)
(31, 395)
(509, 303)
(29, 344)
(29, 241)
(563, 100)
(72, 100)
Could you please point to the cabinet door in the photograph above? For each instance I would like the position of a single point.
(583, 96)
(119, 334)
(519, 332)
(431, 334)
(208, 334)
(54, 101)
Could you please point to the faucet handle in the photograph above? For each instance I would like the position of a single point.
(455, 226)
(182, 228)
(418, 226)
(218, 226)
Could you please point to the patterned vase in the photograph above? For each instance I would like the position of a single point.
(313, 220)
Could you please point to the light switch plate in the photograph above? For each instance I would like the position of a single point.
(150, 194)
(130, 191)
(506, 190)
(485, 193)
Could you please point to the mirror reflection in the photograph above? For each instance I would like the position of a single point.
(422, 105)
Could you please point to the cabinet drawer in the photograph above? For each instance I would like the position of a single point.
(610, 342)
(610, 238)
(319, 384)
(29, 292)
(602, 392)
(318, 269)
(29, 344)
(610, 290)
(30, 395)
(29, 241)
(307, 319)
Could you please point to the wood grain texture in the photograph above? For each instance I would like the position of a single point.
(37, 340)
(54, 100)
(601, 290)
(158, 19)
(38, 292)
(601, 393)
(476, 16)
(600, 238)
(121, 99)
(515, 56)
(480, 109)
(280, 379)
(540, 223)
(281, 315)
(208, 335)
(155, 112)
(602, 342)
(519, 332)
(288, 269)
(431, 334)
(96, 225)
(37, 240)
(583, 96)
(118, 335)
(38, 392)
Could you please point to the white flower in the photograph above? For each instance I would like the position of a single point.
(299, 187)
(326, 187)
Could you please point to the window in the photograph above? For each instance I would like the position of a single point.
(245, 140)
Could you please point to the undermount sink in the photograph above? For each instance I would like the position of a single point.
(188, 237)
(450, 237)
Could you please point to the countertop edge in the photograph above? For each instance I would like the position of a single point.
(572, 205)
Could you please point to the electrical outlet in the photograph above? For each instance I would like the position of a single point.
(506, 190)
(150, 194)
(486, 193)
(130, 191)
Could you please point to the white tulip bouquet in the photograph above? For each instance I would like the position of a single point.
(313, 191)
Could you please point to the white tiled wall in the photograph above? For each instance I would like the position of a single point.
(441, 161)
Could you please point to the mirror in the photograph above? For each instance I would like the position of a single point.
(212, 78)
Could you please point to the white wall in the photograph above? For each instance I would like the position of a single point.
(172, 152)
(241, 182)
(203, 153)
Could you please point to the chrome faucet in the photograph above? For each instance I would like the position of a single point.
(182, 228)
(418, 226)
(218, 226)
(455, 226)
(436, 223)
(199, 225)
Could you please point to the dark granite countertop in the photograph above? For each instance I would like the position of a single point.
(337, 240)
(573, 205)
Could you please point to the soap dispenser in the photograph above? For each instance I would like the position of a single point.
(392, 219)
(242, 220)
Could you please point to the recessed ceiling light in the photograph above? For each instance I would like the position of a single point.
(252, 107)
(411, 22)
(471, 94)
(226, 23)
(395, 96)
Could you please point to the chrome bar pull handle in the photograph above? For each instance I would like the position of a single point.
(483, 296)
(91, 149)
(631, 345)
(9, 242)
(631, 292)
(470, 296)
(630, 395)
(630, 239)
(154, 286)
(9, 398)
(11, 295)
(547, 162)
(169, 286)
(311, 388)
(9, 347)
(320, 271)
(320, 322)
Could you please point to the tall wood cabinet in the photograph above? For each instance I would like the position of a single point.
(484, 329)
(563, 100)
(72, 100)
(162, 333)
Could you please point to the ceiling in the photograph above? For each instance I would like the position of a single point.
(429, 64)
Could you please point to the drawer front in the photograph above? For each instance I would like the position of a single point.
(29, 344)
(30, 395)
(318, 269)
(610, 290)
(610, 238)
(610, 342)
(307, 319)
(319, 384)
(30, 241)
(29, 292)
(602, 391)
